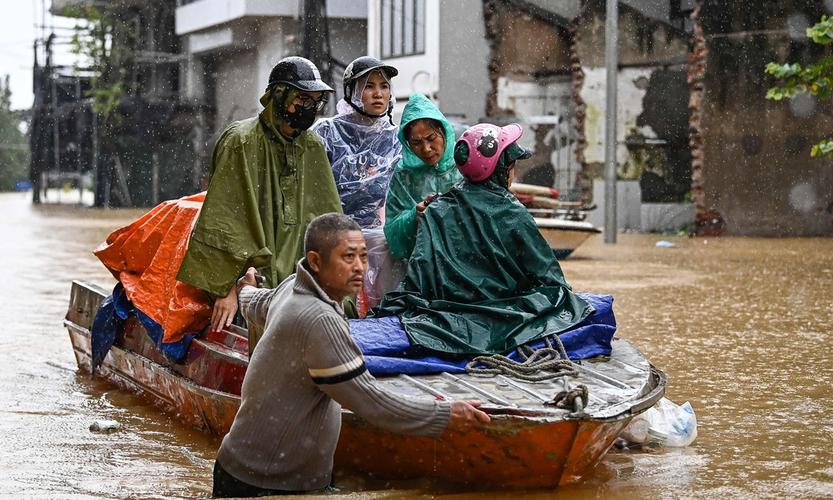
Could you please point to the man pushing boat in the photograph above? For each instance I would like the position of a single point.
(306, 366)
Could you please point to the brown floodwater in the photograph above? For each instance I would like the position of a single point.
(742, 327)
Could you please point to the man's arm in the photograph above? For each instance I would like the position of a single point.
(337, 366)
(254, 302)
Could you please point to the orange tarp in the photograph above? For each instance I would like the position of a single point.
(145, 257)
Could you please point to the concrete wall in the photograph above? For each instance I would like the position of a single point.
(463, 72)
(236, 87)
(642, 41)
(631, 92)
(647, 103)
(628, 205)
(757, 170)
(666, 217)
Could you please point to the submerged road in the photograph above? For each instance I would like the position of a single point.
(741, 326)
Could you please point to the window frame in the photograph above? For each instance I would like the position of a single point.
(393, 28)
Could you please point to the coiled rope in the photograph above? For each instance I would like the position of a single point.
(538, 365)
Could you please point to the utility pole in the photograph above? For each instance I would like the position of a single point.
(315, 37)
(612, 66)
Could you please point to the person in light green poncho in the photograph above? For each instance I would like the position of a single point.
(426, 168)
(481, 279)
(269, 178)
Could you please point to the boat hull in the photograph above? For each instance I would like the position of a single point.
(565, 236)
(513, 451)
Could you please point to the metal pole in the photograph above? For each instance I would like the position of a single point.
(56, 139)
(154, 180)
(611, 63)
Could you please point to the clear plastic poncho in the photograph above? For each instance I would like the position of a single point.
(363, 152)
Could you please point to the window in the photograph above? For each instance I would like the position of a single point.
(403, 28)
(679, 13)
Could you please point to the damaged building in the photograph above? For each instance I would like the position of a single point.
(698, 146)
(684, 101)
(757, 175)
(541, 64)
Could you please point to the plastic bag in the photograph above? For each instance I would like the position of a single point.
(664, 424)
(384, 271)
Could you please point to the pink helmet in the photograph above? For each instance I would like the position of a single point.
(480, 147)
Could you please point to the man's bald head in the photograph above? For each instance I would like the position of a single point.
(324, 233)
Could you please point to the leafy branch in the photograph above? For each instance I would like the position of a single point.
(106, 42)
(814, 79)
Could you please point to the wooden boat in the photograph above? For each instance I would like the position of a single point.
(528, 444)
(564, 235)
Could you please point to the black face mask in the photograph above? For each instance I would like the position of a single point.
(301, 119)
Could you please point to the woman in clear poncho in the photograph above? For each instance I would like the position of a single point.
(361, 140)
(362, 146)
(427, 168)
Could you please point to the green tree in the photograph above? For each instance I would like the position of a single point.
(106, 41)
(814, 79)
(14, 149)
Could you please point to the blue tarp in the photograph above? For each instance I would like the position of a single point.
(383, 341)
(387, 349)
(109, 321)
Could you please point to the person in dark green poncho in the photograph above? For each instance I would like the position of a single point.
(269, 178)
(481, 278)
(426, 168)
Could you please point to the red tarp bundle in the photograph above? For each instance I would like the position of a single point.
(145, 257)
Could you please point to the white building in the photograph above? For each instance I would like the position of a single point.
(230, 47)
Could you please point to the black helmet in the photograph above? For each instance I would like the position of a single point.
(362, 66)
(300, 73)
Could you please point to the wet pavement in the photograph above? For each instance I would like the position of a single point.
(741, 326)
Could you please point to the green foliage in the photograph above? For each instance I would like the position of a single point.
(822, 32)
(815, 79)
(14, 150)
(824, 148)
(106, 42)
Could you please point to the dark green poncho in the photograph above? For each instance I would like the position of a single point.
(481, 278)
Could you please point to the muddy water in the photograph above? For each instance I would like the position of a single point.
(741, 326)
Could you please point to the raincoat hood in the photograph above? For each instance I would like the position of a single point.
(270, 116)
(419, 106)
(414, 179)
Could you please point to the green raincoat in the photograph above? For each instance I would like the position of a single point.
(481, 278)
(264, 191)
(413, 180)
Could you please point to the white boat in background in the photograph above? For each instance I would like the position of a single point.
(563, 235)
(561, 222)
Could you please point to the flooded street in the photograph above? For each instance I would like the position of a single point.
(741, 326)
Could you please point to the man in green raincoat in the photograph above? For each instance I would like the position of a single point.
(481, 279)
(426, 168)
(269, 178)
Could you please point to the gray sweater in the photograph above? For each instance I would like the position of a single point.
(305, 367)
